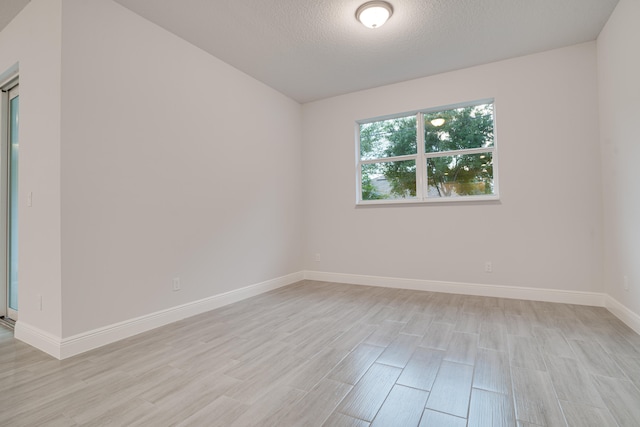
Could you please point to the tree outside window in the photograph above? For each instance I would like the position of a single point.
(450, 150)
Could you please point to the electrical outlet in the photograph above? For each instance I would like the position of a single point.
(488, 267)
(626, 283)
(318, 258)
(176, 284)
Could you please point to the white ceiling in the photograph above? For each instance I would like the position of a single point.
(314, 49)
(9, 9)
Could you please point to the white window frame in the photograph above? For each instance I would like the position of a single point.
(421, 159)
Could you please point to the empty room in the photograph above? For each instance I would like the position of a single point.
(319, 213)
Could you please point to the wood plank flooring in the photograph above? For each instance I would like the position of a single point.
(326, 354)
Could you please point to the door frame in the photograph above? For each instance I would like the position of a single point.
(9, 89)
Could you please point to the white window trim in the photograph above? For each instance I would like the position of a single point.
(421, 157)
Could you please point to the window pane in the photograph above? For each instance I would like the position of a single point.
(459, 128)
(388, 138)
(389, 180)
(464, 175)
(13, 202)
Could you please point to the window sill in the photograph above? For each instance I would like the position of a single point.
(493, 199)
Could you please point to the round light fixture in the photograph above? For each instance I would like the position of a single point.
(437, 122)
(374, 14)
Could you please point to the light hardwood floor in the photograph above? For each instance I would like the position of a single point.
(326, 354)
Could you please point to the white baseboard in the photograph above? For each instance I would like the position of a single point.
(623, 313)
(513, 292)
(37, 338)
(80, 343)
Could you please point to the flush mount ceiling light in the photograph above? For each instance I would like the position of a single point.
(437, 122)
(374, 14)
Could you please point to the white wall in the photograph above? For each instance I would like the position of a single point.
(173, 164)
(619, 85)
(546, 231)
(149, 159)
(32, 39)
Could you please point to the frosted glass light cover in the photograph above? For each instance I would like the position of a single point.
(374, 14)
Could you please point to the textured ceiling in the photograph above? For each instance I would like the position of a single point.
(314, 49)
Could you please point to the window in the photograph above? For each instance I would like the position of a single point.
(442, 154)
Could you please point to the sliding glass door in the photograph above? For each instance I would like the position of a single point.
(12, 203)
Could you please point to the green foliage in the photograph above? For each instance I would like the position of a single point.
(469, 127)
(389, 138)
(401, 177)
(463, 128)
(369, 191)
